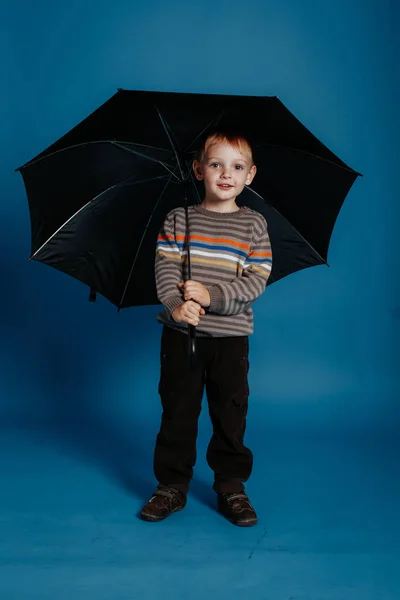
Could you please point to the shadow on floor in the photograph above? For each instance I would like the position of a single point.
(125, 459)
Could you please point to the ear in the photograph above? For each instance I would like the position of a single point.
(251, 174)
(197, 170)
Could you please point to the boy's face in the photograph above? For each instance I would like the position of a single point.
(225, 171)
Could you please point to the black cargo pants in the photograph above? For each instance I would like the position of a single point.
(222, 366)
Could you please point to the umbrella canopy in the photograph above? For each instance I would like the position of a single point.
(99, 195)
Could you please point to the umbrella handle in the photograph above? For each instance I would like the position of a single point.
(192, 341)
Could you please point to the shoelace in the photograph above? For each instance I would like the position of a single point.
(238, 496)
(231, 499)
(164, 493)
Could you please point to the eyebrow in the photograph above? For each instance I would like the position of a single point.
(236, 159)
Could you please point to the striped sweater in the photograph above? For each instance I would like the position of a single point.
(230, 254)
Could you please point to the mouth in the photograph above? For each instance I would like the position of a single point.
(224, 186)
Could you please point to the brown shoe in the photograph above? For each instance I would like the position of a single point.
(164, 502)
(237, 508)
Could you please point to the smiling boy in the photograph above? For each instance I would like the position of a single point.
(231, 261)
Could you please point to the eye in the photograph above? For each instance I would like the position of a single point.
(215, 163)
(240, 167)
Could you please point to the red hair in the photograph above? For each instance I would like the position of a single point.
(238, 142)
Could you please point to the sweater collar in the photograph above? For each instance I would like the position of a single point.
(220, 215)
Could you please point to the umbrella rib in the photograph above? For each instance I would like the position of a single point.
(210, 124)
(120, 184)
(345, 167)
(144, 156)
(294, 228)
(141, 242)
(143, 145)
(32, 162)
(171, 141)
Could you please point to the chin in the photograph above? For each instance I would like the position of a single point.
(225, 195)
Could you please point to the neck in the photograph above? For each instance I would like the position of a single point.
(222, 206)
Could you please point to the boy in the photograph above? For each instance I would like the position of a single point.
(231, 261)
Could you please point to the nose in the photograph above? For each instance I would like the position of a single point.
(226, 173)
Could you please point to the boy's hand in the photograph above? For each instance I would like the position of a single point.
(189, 312)
(193, 290)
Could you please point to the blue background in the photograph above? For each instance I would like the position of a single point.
(81, 379)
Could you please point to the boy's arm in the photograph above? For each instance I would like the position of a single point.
(168, 267)
(235, 297)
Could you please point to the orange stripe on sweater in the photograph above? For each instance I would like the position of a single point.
(262, 254)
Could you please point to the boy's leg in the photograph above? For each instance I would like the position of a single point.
(227, 393)
(181, 390)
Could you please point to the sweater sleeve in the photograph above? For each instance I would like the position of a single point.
(168, 266)
(235, 297)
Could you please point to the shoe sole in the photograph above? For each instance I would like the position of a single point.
(244, 523)
(153, 519)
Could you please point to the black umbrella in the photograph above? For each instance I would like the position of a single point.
(99, 195)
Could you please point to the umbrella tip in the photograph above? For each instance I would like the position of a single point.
(92, 295)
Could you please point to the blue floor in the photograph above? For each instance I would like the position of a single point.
(329, 526)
